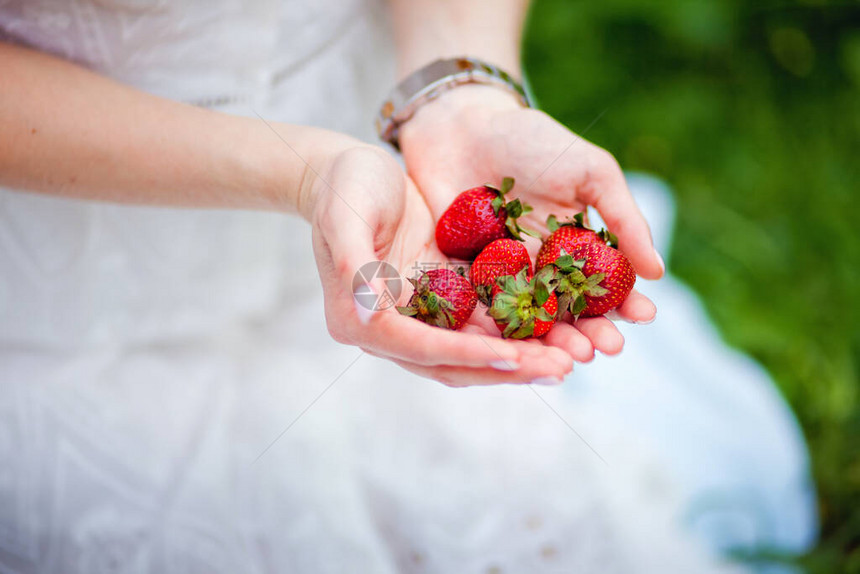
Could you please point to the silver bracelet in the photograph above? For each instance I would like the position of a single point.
(431, 81)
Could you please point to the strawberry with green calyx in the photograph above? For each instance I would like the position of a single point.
(578, 221)
(524, 307)
(563, 237)
(442, 298)
(478, 216)
(501, 257)
(592, 280)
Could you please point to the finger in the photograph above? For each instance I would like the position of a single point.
(567, 337)
(637, 308)
(440, 347)
(478, 329)
(530, 349)
(404, 338)
(602, 333)
(359, 208)
(606, 190)
(537, 352)
(481, 318)
(536, 349)
(348, 297)
(464, 376)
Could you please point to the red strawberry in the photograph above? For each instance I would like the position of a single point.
(563, 236)
(476, 217)
(524, 306)
(592, 279)
(501, 257)
(442, 298)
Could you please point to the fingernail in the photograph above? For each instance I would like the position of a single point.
(660, 260)
(502, 365)
(616, 316)
(546, 381)
(648, 322)
(364, 299)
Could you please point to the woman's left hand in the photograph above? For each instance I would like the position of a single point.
(479, 134)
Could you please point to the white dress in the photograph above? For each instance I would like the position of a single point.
(149, 356)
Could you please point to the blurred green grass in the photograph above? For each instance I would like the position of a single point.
(751, 111)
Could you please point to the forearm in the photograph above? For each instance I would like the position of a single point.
(67, 131)
(426, 30)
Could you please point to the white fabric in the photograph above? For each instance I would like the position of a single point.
(149, 356)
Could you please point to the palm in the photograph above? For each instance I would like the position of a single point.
(482, 136)
(524, 144)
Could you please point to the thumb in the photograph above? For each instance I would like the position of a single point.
(358, 211)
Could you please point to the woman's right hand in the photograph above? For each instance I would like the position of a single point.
(363, 208)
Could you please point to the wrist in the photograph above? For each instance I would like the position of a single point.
(286, 166)
(434, 80)
(458, 108)
(321, 150)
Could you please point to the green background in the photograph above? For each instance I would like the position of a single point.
(751, 111)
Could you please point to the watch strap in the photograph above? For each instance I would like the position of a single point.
(430, 82)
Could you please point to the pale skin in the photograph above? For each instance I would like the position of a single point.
(70, 132)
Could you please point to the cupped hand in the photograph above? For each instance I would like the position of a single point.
(365, 209)
(478, 134)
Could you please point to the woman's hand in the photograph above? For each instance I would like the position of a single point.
(478, 134)
(363, 208)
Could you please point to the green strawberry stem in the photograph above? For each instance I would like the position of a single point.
(571, 285)
(427, 306)
(578, 220)
(514, 209)
(609, 238)
(520, 302)
(485, 293)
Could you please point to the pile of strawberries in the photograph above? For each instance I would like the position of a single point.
(577, 270)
